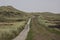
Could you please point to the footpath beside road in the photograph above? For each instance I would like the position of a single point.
(24, 33)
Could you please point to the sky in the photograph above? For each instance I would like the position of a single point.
(33, 5)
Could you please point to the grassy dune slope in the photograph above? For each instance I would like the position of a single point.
(9, 12)
(12, 22)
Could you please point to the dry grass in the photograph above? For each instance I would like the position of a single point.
(10, 30)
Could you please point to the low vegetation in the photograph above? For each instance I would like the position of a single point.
(10, 30)
(45, 26)
(50, 22)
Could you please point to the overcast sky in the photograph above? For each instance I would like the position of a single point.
(33, 5)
